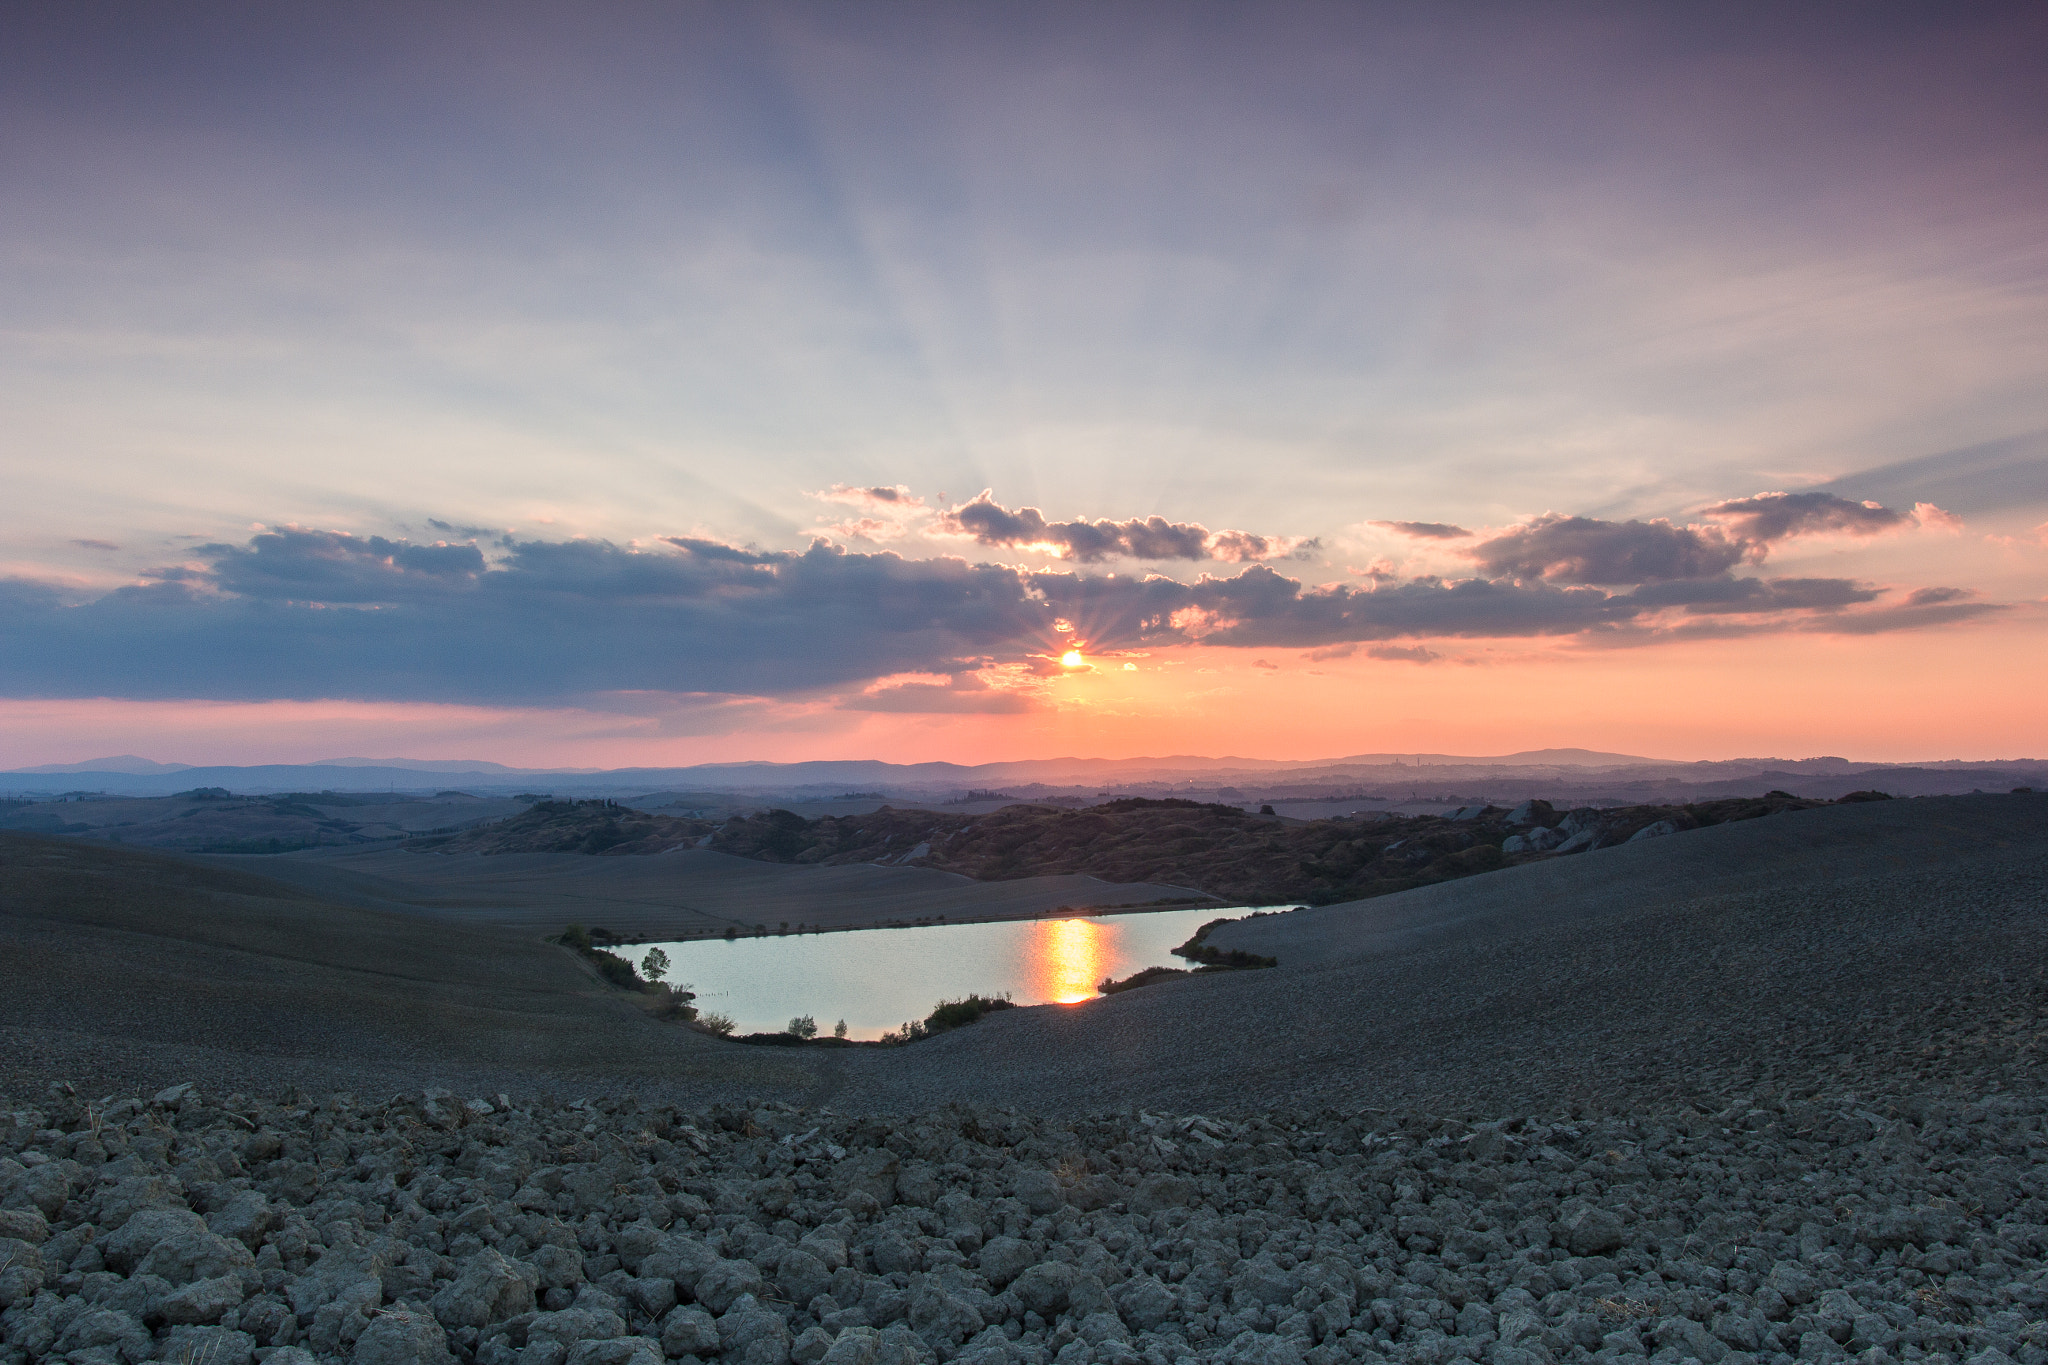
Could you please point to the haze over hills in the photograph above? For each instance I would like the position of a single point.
(1570, 773)
(119, 763)
(1534, 772)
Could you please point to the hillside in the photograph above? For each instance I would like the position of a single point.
(212, 820)
(603, 828)
(1252, 859)
(1883, 944)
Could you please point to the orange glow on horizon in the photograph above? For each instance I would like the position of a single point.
(1067, 959)
(1889, 698)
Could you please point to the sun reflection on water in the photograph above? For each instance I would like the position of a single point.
(1067, 960)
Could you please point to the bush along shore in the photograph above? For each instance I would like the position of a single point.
(945, 1016)
(674, 1002)
(1205, 958)
(432, 1230)
(661, 999)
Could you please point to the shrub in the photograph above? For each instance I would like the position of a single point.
(711, 1021)
(1235, 959)
(616, 970)
(1111, 986)
(951, 1014)
(770, 1039)
(673, 1002)
(803, 1026)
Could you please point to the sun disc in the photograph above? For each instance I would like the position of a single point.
(1072, 659)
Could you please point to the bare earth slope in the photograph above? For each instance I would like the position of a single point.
(1864, 1181)
(683, 893)
(1904, 938)
(1884, 934)
(121, 969)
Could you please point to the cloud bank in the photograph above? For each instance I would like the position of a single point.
(1569, 549)
(304, 613)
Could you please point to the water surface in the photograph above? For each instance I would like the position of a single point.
(876, 979)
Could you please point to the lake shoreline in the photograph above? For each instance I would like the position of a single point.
(875, 982)
(753, 932)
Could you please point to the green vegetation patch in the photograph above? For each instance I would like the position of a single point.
(663, 1000)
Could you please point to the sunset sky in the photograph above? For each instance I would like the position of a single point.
(636, 384)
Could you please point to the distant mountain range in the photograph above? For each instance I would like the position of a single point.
(1533, 769)
(120, 763)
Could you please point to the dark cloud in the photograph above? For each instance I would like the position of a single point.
(1911, 616)
(1766, 517)
(95, 544)
(719, 551)
(1728, 595)
(1932, 597)
(304, 613)
(1423, 530)
(473, 532)
(1091, 542)
(327, 566)
(1584, 550)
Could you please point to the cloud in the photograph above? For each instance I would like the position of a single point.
(95, 544)
(962, 694)
(1423, 530)
(1729, 596)
(1766, 517)
(327, 566)
(307, 613)
(892, 496)
(1936, 519)
(989, 523)
(1584, 550)
(889, 512)
(1569, 549)
(1414, 654)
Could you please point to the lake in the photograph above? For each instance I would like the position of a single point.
(877, 979)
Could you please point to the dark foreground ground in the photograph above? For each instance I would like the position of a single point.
(1868, 944)
(1774, 1098)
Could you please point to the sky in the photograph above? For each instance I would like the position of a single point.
(644, 384)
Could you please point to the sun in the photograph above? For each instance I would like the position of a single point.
(1072, 659)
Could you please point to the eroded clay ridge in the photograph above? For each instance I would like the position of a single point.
(1810, 1226)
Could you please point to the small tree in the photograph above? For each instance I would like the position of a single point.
(655, 965)
(839, 1029)
(803, 1026)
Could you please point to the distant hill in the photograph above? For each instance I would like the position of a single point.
(1575, 775)
(1218, 849)
(120, 763)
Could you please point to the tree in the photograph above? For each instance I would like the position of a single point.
(839, 1029)
(803, 1026)
(655, 965)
